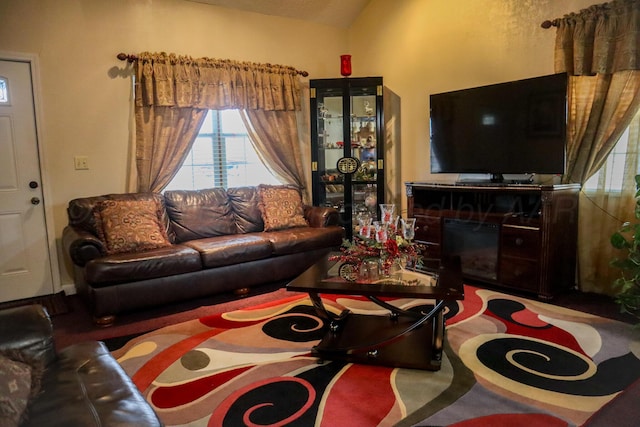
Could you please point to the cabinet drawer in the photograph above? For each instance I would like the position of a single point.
(428, 229)
(431, 250)
(519, 273)
(521, 242)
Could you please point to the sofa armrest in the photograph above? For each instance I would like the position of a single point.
(81, 245)
(28, 329)
(321, 216)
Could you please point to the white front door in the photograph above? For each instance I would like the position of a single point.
(25, 264)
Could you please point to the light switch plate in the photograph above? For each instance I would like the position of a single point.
(81, 162)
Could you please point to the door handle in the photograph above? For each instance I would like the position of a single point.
(35, 201)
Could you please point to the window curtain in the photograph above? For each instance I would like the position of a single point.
(598, 48)
(275, 136)
(602, 211)
(173, 94)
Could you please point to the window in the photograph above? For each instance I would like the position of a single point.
(611, 175)
(4, 91)
(221, 156)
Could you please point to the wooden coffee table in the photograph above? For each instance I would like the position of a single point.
(403, 338)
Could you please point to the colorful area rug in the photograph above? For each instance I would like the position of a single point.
(508, 361)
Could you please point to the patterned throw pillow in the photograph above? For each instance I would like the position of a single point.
(281, 207)
(130, 225)
(15, 390)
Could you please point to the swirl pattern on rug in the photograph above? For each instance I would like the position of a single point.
(507, 360)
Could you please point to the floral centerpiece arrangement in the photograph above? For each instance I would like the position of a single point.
(389, 242)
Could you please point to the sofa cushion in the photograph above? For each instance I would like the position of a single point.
(129, 267)
(81, 211)
(130, 225)
(197, 214)
(244, 201)
(15, 390)
(227, 250)
(302, 239)
(281, 207)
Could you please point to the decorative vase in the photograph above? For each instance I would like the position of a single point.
(391, 270)
(369, 271)
(345, 65)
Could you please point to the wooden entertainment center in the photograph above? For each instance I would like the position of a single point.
(518, 236)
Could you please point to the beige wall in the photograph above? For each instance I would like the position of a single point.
(418, 46)
(86, 90)
(429, 46)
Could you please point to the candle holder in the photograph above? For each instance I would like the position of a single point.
(408, 228)
(386, 212)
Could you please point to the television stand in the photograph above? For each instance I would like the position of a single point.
(479, 183)
(518, 236)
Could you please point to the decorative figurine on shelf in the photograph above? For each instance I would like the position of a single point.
(368, 110)
(367, 172)
(323, 112)
(371, 200)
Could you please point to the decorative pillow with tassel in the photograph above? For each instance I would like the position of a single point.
(281, 207)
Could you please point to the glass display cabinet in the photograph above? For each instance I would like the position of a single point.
(348, 146)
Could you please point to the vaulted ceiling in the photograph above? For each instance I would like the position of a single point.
(336, 13)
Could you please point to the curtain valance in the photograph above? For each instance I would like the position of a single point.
(170, 80)
(601, 39)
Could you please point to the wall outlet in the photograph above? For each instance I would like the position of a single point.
(81, 162)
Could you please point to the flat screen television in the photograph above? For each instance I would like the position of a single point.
(516, 127)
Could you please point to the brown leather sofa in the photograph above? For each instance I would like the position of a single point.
(218, 243)
(82, 385)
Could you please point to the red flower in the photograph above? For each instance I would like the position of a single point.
(392, 248)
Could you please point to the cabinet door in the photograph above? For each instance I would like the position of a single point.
(329, 190)
(520, 257)
(429, 234)
(520, 242)
(363, 145)
(520, 273)
(347, 147)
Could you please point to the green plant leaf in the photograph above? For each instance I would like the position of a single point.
(627, 287)
(618, 241)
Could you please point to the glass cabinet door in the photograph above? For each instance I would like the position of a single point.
(330, 148)
(347, 153)
(363, 123)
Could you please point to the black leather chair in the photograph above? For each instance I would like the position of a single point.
(82, 385)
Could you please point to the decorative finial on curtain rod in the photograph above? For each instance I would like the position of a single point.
(132, 58)
(548, 24)
(124, 57)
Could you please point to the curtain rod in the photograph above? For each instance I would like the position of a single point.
(132, 58)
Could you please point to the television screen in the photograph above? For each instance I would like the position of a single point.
(516, 127)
